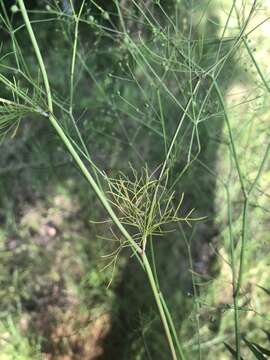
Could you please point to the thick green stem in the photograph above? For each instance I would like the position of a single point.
(100, 194)
(159, 305)
(124, 232)
(38, 54)
(65, 139)
(93, 184)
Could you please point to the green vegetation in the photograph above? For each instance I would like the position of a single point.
(134, 171)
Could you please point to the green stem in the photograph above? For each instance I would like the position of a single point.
(159, 305)
(234, 278)
(74, 53)
(101, 196)
(38, 54)
(93, 184)
(64, 137)
(171, 323)
(72, 72)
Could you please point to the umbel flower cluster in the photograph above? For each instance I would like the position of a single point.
(145, 204)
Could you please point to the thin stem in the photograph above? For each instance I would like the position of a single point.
(243, 247)
(72, 72)
(256, 64)
(232, 145)
(165, 163)
(233, 267)
(74, 55)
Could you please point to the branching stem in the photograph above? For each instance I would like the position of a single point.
(98, 191)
